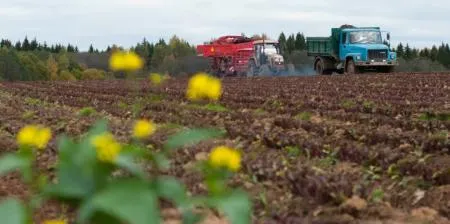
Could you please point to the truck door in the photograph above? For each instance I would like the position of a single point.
(344, 47)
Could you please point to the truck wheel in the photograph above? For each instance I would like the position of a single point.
(319, 67)
(351, 68)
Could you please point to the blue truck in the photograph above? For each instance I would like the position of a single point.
(351, 50)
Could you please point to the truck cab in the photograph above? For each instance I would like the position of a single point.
(352, 50)
(363, 48)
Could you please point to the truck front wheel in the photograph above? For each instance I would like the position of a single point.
(351, 68)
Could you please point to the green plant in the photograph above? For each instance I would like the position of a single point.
(331, 156)
(305, 116)
(86, 111)
(32, 101)
(85, 181)
(210, 106)
(394, 172)
(348, 104)
(372, 173)
(377, 195)
(293, 151)
(368, 105)
(429, 116)
(122, 105)
(28, 114)
(153, 98)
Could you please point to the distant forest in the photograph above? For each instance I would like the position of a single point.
(34, 60)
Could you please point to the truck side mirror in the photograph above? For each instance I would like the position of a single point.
(388, 36)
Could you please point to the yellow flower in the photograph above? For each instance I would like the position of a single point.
(143, 128)
(35, 136)
(26, 135)
(125, 61)
(102, 140)
(42, 137)
(107, 147)
(109, 153)
(156, 78)
(223, 156)
(204, 86)
(55, 221)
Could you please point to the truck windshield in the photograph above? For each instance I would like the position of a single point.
(270, 49)
(365, 37)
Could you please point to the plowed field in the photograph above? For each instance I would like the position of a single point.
(344, 149)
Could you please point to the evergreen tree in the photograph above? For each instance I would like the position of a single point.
(408, 52)
(34, 45)
(425, 53)
(282, 42)
(434, 53)
(5, 43)
(400, 50)
(91, 49)
(290, 43)
(300, 43)
(26, 44)
(414, 53)
(18, 46)
(441, 54)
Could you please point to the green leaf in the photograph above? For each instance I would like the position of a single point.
(79, 172)
(11, 162)
(12, 212)
(190, 137)
(131, 201)
(236, 206)
(191, 218)
(170, 188)
(161, 161)
(126, 162)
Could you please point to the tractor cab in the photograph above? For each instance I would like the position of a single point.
(268, 52)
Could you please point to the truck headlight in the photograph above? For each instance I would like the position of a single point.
(393, 55)
(358, 57)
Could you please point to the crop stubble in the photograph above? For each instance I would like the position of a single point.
(309, 143)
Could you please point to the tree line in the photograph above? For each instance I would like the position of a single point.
(439, 54)
(32, 60)
(27, 45)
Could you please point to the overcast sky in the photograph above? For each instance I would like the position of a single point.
(125, 22)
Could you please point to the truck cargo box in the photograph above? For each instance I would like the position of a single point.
(319, 46)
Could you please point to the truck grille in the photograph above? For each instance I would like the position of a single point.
(377, 55)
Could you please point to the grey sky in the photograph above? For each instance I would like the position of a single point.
(125, 22)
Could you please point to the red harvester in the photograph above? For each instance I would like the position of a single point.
(239, 55)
